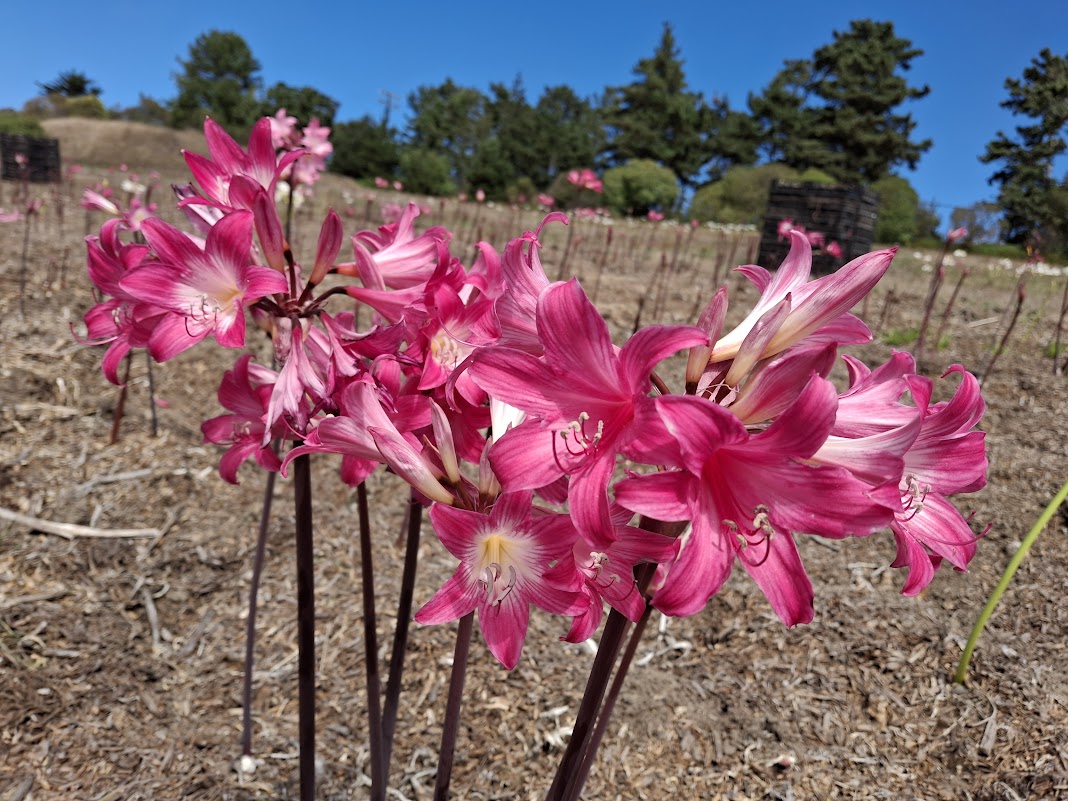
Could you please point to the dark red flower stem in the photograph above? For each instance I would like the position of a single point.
(574, 788)
(302, 493)
(250, 627)
(152, 394)
(596, 684)
(370, 646)
(404, 617)
(451, 725)
(120, 403)
(592, 697)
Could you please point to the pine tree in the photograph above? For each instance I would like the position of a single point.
(838, 111)
(657, 118)
(1029, 194)
(219, 79)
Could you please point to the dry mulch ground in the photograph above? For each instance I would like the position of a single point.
(121, 659)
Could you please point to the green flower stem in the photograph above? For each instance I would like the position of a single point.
(1010, 571)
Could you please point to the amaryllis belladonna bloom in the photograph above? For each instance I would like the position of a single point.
(583, 401)
(205, 291)
(506, 557)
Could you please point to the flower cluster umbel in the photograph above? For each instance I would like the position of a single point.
(500, 397)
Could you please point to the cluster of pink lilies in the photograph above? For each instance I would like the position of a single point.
(500, 397)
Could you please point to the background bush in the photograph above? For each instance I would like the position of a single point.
(639, 186)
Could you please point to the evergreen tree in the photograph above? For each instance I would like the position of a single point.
(219, 79)
(838, 111)
(733, 139)
(508, 149)
(449, 120)
(657, 118)
(568, 133)
(71, 83)
(302, 102)
(1029, 194)
(364, 148)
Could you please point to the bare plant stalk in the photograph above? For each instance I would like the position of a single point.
(152, 395)
(253, 596)
(603, 262)
(370, 649)
(638, 316)
(663, 276)
(1060, 327)
(120, 402)
(302, 495)
(451, 725)
(400, 635)
(574, 788)
(25, 257)
(949, 307)
(1021, 293)
(567, 249)
(888, 305)
(937, 276)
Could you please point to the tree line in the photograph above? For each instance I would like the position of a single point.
(839, 116)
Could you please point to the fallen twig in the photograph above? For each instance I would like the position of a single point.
(70, 531)
(50, 595)
(129, 475)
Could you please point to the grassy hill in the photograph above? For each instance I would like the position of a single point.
(108, 143)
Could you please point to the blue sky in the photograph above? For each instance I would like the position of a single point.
(357, 52)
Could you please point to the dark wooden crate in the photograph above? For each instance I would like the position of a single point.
(843, 214)
(43, 163)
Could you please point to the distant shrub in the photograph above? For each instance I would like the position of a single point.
(900, 336)
(814, 176)
(522, 190)
(50, 106)
(899, 206)
(569, 196)
(999, 250)
(425, 172)
(638, 186)
(12, 122)
(88, 106)
(741, 196)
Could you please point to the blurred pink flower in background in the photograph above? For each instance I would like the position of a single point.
(585, 179)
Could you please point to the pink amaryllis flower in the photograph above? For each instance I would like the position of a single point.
(583, 401)
(228, 160)
(394, 257)
(812, 304)
(505, 558)
(937, 450)
(608, 573)
(244, 391)
(586, 179)
(206, 290)
(948, 457)
(746, 496)
(122, 321)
